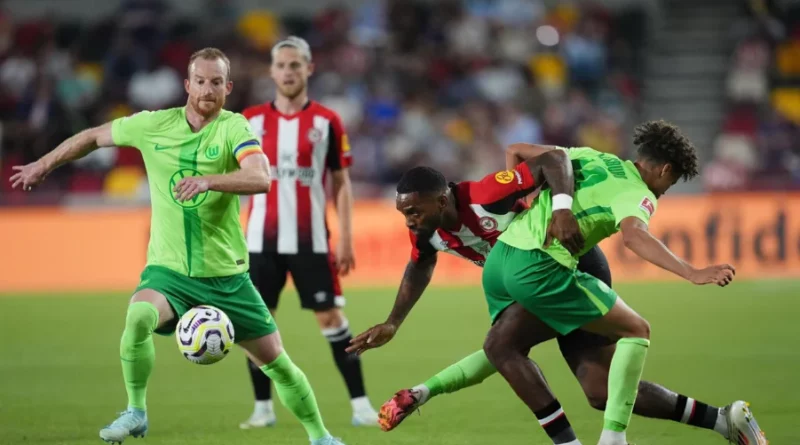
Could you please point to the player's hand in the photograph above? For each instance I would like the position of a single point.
(345, 260)
(721, 275)
(374, 337)
(188, 188)
(28, 176)
(564, 227)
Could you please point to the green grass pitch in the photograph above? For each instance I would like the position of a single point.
(60, 378)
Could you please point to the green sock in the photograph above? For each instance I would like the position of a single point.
(469, 371)
(623, 382)
(296, 394)
(136, 351)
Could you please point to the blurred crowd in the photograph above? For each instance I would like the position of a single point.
(757, 147)
(445, 83)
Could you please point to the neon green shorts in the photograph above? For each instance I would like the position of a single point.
(235, 295)
(565, 299)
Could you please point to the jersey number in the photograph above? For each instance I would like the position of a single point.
(587, 175)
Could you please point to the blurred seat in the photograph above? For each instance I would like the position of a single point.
(787, 58)
(550, 72)
(787, 102)
(123, 182)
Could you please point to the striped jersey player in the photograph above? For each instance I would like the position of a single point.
(465, 220)
(303, 147)
(287, 232)
(485, 208)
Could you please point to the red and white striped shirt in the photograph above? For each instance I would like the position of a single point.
(301, 148)
(485, 209)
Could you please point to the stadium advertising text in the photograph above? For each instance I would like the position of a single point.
(56, 249)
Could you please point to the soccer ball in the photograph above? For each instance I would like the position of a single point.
(204, 335)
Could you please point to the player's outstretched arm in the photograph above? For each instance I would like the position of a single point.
(343, 193)
(252, 177)
(71, 149)
(415, 280)
(520, 152)
(638, 239)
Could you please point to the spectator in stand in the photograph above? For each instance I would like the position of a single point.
(446, 83)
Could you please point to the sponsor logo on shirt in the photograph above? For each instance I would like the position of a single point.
(504, 177)
(304, 175)
(345, 144)
(518, 176)
(648, 206)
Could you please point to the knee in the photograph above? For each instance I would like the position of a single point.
(496, 350)
(331, 319)
(641, 329)
(142, 317)
(635, 327)
(335, 328)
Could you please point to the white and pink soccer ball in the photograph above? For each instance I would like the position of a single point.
(204, 334)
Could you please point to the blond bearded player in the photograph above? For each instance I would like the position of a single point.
(198, 158)
(287, 232)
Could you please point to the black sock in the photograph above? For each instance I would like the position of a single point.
(349, 364)
(261, 383)
(695, 413)
(555, 423)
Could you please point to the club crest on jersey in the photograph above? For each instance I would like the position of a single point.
(212, 152)
(314, 135)
(504, 177)
(648, 206)
(488, 224)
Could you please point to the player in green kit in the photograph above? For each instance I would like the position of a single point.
(198, 158)
(534, 292)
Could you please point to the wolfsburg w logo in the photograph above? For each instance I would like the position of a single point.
(212, 152)
(173, 181)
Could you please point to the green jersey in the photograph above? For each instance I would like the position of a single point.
(607, 190)
(202, 237)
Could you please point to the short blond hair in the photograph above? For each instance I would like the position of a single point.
(211, 54)
(293, 42)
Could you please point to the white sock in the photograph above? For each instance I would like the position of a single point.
(422, 392)
(574, 442)
(722, 424)
(361, 404)
(263, 407)
(608, 437)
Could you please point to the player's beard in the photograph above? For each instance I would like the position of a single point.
(426, 230)
(208, 106)
(292, 91)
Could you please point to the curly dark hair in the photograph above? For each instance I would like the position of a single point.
(662, 142)
(423, 180)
